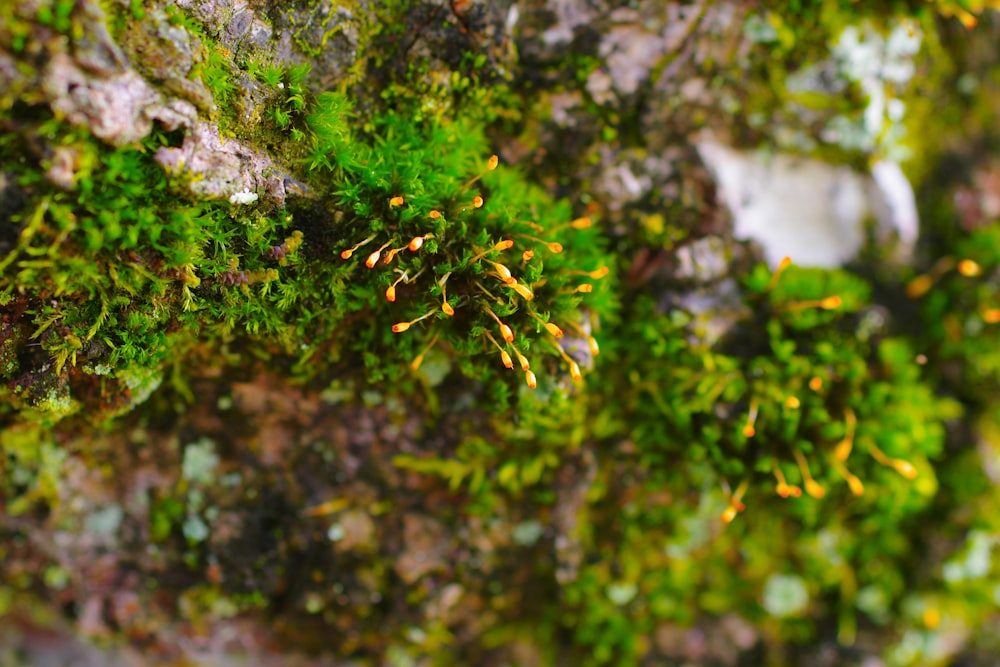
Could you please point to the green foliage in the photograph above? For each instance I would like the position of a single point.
(432, 235)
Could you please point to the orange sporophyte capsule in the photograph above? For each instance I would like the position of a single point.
(506, 244)
(416, 243)
(434, 214)
(784, 264)
(597, 274)
(477, 201)
(400, 327)
(502, 270)
(783, 488)
(748, 428)
(729, 514)
(447, 309)
(504, 357)
(529, 377)
(586, 288)
(904, 468)
(525, 366)
(506, 333)
(831, 302)
(396, 201)
(991, 315)
(574, 371)
(811, 486)
(374, 257)
(594, 348)
(523, 290)
(553, 329)
(843, 448)
(792, 403)
(581, 223)
(346, 254)
(390, 293)
(969, 268)
(492, 163)
(919, 286)
(415, 364)
(816, 383)
(527, 255)
(857, 488)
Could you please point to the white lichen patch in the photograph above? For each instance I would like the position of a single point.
(244, 197)
(200, 461)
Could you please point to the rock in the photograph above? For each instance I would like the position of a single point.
(425, 540)
(218, 169)
(808, 210)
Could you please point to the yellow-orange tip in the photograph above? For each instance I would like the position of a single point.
(814, 489)
(904, 468)
(434, 214)
(574, 371)
(729, 514)
(594, 347)
(505, 358)
(447, 309)
(816, 383)
(506, 244)
(969, 268)
(400, 327)
(396, 201)
(477, 201)
(555, 247)
(749, 431)
(529, 377)
(346, 254)
(792, 403)
(527, 254)
(580, 223)
(523, 290)
(831, 302)
(373, 259)
(390, 293)
(492, 163)
(416, 243)
(507, 333)
(553, 329)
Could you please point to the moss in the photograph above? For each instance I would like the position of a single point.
(341, 373)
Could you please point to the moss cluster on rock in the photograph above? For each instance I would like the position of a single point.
(419, 334)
